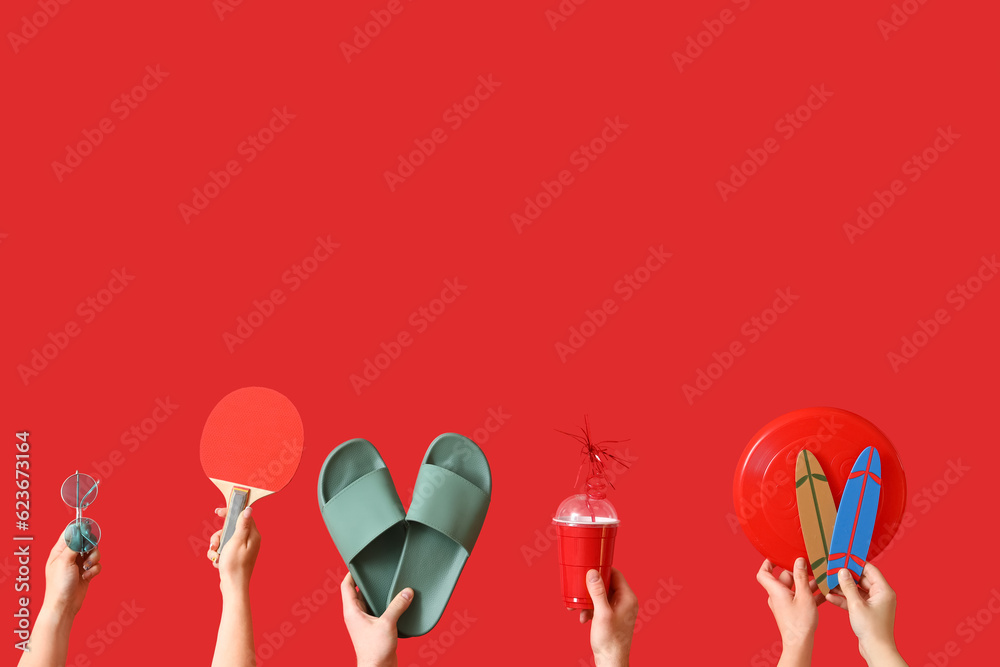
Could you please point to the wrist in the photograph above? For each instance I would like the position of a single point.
(388, 662)
(56, 610)
(54, 614)
(232, 589)
(611, 659)
(878, 651)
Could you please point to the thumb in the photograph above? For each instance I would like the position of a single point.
(399, 604)
(801, 577)
(597, 593)
(242, 533)
(62, 552)
(848, 587)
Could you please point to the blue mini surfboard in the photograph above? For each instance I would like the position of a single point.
(852, 531)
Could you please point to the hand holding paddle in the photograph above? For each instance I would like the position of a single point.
(250, 448)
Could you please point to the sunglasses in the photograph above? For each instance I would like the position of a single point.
(79, 492)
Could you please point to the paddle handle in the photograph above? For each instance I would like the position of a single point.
(238, 500)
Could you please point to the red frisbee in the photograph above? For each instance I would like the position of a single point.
(764, 485)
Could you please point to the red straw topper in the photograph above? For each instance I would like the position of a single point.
(587, 524)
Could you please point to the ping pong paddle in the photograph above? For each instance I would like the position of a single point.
(250, 448)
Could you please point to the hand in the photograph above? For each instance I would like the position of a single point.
(872, 608)
(67, 577)
(242, 548)
(793, 601)
(614, 619)
(374, 638)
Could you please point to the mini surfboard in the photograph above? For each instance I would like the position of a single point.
(852, 532)
(817, 514)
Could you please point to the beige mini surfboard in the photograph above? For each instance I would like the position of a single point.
(817, 514)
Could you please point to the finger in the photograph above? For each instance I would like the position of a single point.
(874, 577)
(399, 604)
(586, 615)
(786, 578)
(349, 596)
(597, 593)
(67, 555)
(848, 588)
(221, 511)
(254, 539)
(92, 559)
(213, 556)
(800, 573)
(213, 542)
(620, 590)
(91, 573)
(766, 578)
(241, 535)
(837, 600)
(57, 548)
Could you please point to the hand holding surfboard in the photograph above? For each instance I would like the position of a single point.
(250, 448)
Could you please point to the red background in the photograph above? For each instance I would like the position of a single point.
(495, 346)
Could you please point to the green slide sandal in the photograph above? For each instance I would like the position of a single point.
(449, 506)
(365, 517)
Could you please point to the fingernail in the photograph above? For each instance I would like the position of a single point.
(247, 512)
(593, 576)
(800, 563)
(86, 566)
(843, 574)
(407, 594)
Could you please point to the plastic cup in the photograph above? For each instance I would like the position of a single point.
(583, 547)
